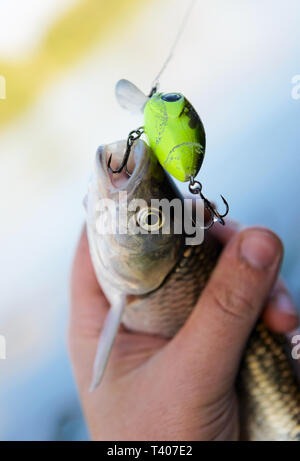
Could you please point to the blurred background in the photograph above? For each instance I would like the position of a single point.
(61, 60)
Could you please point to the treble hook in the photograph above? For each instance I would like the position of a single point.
(195, 187)
(132, 137)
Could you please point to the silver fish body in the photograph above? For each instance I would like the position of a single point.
(166, 278)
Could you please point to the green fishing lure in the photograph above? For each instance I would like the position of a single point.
(176, 134)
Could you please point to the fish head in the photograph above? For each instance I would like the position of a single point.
(129, 246)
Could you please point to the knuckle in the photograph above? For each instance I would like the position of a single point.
(244, 302)
(236, 303)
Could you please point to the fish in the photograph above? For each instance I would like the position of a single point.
(153, 281)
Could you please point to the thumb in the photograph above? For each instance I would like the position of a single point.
(212, 340)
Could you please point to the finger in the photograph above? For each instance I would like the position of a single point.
(216, 333)
(88, 302)
(280, 314)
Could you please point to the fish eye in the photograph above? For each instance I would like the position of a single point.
(171, 97)
(150, 219)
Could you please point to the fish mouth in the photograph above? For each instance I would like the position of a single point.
(118, 180)
(129, 178)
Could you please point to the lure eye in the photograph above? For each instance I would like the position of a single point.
(150, 219)
(171, 97)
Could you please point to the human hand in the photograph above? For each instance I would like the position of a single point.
(182, 389)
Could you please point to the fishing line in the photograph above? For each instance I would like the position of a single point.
(175, 43)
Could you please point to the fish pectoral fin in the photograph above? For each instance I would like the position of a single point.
(106, 340)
